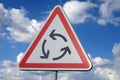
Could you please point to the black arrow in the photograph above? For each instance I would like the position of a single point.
(53, 34)
(65, 49)
(45, 55)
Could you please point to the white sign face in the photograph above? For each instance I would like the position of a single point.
(56, 47)
(57, 44)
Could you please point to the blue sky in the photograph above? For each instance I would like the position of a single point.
(96, 23)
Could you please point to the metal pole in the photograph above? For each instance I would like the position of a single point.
(54, 73)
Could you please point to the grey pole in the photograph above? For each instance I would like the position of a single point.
(54, 74)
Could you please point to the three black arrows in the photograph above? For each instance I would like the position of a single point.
(65, 49)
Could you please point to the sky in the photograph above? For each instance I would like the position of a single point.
(96, 23)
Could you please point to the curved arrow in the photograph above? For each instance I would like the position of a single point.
(45, 55)
(53, 34)
(65, 50)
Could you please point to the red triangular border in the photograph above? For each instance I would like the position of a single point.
(86, 65)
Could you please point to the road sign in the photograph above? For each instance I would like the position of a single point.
(56, 47)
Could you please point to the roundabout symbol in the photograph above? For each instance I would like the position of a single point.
(65, 49)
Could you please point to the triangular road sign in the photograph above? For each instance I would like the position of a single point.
(56, 47)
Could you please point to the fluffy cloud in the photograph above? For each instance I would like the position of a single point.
(116, 49)
(108, 10)
(77, 11)
(19, 57)
(116, 52)
(100, 71)
(107, 73)
(19, 25)
(3, 15)
(103, 69)
(98, 61)
(112, 71)
(10, 71)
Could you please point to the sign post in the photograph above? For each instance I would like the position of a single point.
(54, 75)
(56, 47)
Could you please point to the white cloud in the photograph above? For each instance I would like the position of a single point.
(107, 73)
(20, 27)
(8, 63)
(23, 29)
(98, 61)
(77, 11)
(100, 71)
(19, 57)
(108, 10)
(116, 49)
(10, 71)
(112, 71)
(64, 78)
(116, 52)
(101, 21)
(103, 69)
(3, 15)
